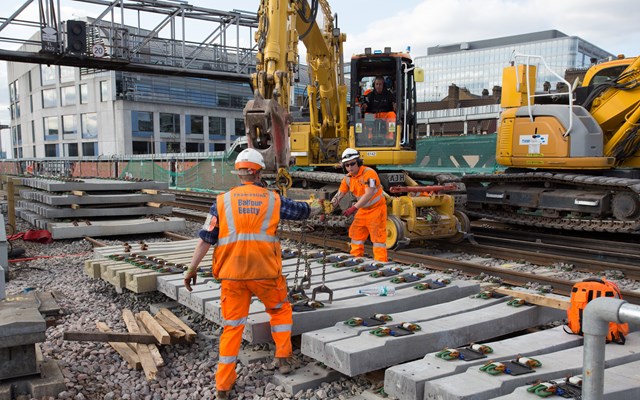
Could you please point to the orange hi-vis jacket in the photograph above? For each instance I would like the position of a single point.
(248, 247)
(356, 185)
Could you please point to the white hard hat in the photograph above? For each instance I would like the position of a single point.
(350, 154)
(250, 159)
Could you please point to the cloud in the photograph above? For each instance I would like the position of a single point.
(610, 25)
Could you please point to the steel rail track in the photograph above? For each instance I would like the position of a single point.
(619, 245)
(586, 255)
(560, 286)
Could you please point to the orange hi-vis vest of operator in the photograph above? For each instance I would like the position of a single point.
(370, 219)
(248, 233)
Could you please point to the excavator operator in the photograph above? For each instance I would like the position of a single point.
(370, 208)
(380, 100)
(242, 223)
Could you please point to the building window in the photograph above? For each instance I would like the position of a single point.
(17, 135)
(217, 127)
(84, 93)
(31, 103)
(69, 127)
(169, 147)
(71, 149)
(33, 133)
(194, 124)
(194, 147)
(14, 110)
(104, 91)
(67, 74)
(239, 127)
(142, 147)
(50, 128)
(13, 91)
(47, 74)
(49, 99)
(142, 124)
(68, 95)
(89, 125)
(169, 123)
(217, 147)
(90, 149)
(51, 150)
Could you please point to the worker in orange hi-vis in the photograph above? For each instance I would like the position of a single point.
(242, 223)
(370, 208)
(381, 102)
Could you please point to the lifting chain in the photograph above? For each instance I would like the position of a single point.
(296, 289)
(323, 288)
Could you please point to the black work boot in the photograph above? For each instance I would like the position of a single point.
(284, 365)
(222, 394)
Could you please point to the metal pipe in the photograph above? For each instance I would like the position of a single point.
(597, 315)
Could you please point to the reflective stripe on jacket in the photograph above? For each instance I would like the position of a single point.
(248, 247)
(356, 185)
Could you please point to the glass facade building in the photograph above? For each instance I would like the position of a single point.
(478, 65)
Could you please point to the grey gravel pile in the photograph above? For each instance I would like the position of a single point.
(93, 370)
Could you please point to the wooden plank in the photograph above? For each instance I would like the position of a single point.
(92, 336)
(123, 349)
(191, 334)
(75, 206)
(150, 191)
(552, 300)
(154, 204)
(155, 328)
(177, 334)
(78, 193)
(148, 363)
(153, 349)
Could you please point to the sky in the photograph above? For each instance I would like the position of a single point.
(611, 25)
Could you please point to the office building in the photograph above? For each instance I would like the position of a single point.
(478, 65)
(462, 86)
(60, 111)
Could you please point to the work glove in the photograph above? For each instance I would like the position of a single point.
(190, 277)
(350, 211)
(315, 208)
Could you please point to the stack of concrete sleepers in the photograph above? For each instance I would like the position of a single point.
(342, 281)
(355, 350)
(72, 208)
(136, 267)
(559, 355)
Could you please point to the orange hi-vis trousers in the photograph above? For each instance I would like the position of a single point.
(235, 301)
(371, 223)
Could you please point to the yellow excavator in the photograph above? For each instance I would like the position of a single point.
(302, 147)
(573, 157)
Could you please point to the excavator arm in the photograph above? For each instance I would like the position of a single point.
(617, 111)
(281, 24)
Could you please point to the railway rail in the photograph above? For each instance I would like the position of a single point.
(582, 254)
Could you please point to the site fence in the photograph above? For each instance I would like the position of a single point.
(211, 173)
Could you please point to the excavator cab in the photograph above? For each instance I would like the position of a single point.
(383, 136)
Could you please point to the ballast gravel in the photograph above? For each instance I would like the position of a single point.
(93, 370)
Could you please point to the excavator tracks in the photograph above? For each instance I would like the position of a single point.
(491, 196)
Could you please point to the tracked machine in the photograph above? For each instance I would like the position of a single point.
(302, 147)
(573, 158)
